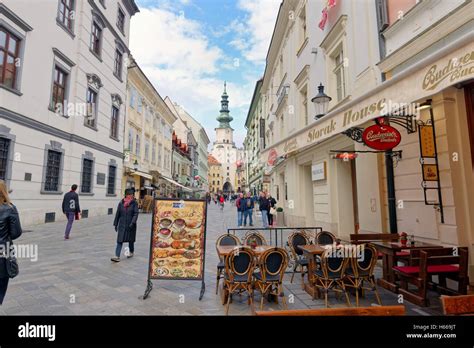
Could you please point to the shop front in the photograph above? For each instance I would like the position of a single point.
(423, 185)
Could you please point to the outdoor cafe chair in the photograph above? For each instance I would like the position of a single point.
(331, 274)
(362, 270)
(269, 279)
(255, 236)
(294, 240)
(239, 269)
(325, 238)
(225, 239)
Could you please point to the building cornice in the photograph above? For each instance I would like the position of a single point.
(131, 7)
(14, 18)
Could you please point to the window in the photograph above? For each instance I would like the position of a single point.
(137, 145)
(96, 37)
(160, 150)
(53, 166)
(163, 126)
(4, 148)
(147, 150)
(121, 20)
(139, 104)
(66, 14)
(59, 90)
(111, 180)
(340, 75)
(118, 63)
(91, 100)
(86, 186)
(302, 26)
(9, 58)
(114, 122)
(304, 105)
(130, 140)
(153, 154)
(132, 97)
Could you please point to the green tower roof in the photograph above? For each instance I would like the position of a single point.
(224, 118)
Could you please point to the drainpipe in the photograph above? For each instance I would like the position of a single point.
(392, 204)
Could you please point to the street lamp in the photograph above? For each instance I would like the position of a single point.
(321, 102)
(135, 165)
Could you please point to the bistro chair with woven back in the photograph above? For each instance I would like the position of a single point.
(361, 269)
(269, 279)
(254, 238)
(294, 241)
(226, 239)
(239, 270)
(325, 238)
(331, 274)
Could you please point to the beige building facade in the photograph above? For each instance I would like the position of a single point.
(148, 134)
(215, 177)
(405, 80)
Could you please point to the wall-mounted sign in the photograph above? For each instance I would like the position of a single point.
(381, 137)
(318, 171)
(427, 143)
(100, 179)
(272, 157)
(430, 172)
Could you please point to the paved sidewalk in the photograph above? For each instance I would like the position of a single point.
(76, 277)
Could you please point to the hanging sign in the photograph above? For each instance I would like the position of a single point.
(272, 157)
(427, 143)
(381, 137)
(430, 172)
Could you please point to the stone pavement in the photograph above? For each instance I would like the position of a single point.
(76, 277)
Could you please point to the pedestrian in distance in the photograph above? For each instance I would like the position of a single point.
(10, 229)
(264, 206)
(125, 224)
(240, 209)
(222, 201)
(273, 203)
(249, 204)
(71, 209)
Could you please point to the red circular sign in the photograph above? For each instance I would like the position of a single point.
(272, 157)
(381, 137)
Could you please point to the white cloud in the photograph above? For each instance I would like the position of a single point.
(259, 24)
(183, 64)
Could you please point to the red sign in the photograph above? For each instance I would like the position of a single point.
(272, 157)
(346, 156)
(381, 137)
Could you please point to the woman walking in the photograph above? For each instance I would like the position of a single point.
(126, 224)
(10, 229)
(273, 203)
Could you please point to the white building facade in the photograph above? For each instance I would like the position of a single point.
(62, 93)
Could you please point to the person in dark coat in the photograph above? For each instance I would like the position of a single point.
(125, 224)
(273, 203)
(71, 209)
(10, 229)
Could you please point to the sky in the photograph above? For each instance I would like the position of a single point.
(188, 48)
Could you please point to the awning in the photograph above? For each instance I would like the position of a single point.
(176, 183)
(142, 174)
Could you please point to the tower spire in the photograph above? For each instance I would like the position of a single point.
(224, 118)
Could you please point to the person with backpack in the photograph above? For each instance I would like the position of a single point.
(10, 229)
(71, 209)
(249, 204)
(264, 206)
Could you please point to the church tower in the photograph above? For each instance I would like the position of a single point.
(224, 148)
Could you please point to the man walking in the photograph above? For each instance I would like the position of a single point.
(272, 202)
(249, 204)
(240, 209)
(264, 206)
(71, 209)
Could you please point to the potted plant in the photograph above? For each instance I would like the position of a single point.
(280, 217)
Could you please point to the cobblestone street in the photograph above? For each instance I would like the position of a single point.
(76, 277)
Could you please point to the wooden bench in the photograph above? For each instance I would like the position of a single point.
(349, 311)
(361, 238)
(424, 264)
(458, 305)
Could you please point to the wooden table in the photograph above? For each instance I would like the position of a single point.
(225, 250)
(310, 251)
(389, 251)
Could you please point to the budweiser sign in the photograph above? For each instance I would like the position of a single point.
(381, 137)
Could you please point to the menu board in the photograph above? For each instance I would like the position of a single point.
(430, 172)
(178, 240)
(427, 141)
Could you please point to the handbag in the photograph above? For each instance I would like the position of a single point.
(11, 264)
(273, 211)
